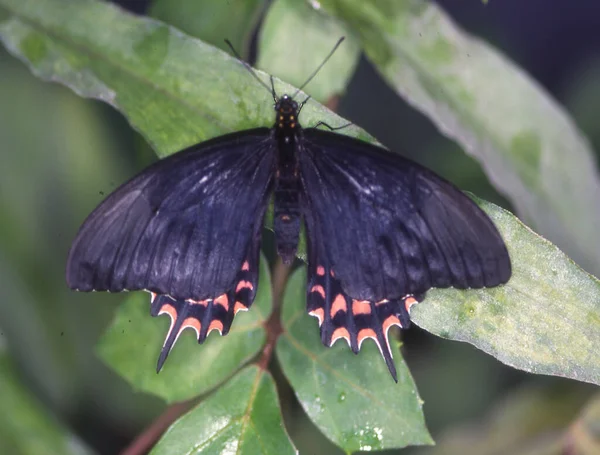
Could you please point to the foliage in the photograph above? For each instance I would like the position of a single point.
(177, 90)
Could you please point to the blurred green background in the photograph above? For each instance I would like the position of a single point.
(48, 185)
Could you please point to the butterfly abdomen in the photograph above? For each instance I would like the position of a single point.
(287, 209)
(287, 219)
(287, 180)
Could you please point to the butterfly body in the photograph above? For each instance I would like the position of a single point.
(381, 231)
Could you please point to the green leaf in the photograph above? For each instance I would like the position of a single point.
(584, 434)
(132, 343)
(546, 319)
(174, 89)
(294, 56)
(25, 426)
(65, 144)
(212, 22)
(242, 417)
(528, 145)
(351, 398)
(529, 421)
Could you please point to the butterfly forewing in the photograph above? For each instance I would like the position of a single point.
(391, 227)
(181, 227)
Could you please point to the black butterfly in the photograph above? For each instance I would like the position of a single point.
(381, 230)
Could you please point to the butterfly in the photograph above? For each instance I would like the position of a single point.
(381, 230)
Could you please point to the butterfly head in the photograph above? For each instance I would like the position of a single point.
(287, 112)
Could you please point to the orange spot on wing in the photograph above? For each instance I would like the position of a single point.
(215, 325)
(366, 333)
(319, 314)
(193, 323)
(331, 273)
(361, 307)
(390, 321)
(168, 309)
(246, 266)
(340, 332)
(172, 312)
(244, 285)
(152, 296)
(223, 300)
(318, 288)
(320, 270)
(408, 302)
(339, 304)
(239, 306)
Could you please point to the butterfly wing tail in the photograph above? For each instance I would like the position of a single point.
(341, 316)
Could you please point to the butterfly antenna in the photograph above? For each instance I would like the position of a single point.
(303, 103)
(252, 72)
(310, 78)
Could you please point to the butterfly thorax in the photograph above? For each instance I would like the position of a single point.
(287, 180)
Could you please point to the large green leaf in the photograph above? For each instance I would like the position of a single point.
(212, 22)
(242, 417)
(174, 89)
(584, 433)
(294, 56)
(63, 143)
(132, 343)
(42, 128)
(545, 320)
(352, 399)
(527, 144)
(25, 426)
(533, 420)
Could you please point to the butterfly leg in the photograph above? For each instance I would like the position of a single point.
(332, 128)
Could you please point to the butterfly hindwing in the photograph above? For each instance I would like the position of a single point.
(204, 316)
(389, 230)
(341, 316)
